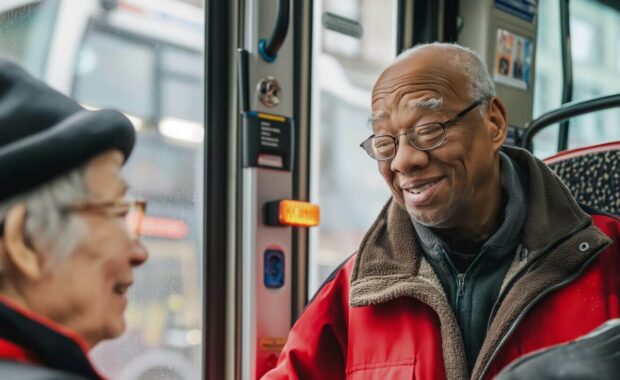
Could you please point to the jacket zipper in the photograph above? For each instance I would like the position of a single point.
(529, 306)
(461, 278)
(460, 282)
(460, 290)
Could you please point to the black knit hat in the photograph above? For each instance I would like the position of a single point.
(44, 134)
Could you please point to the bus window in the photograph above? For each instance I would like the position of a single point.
(99, 72)
(26, 31)
(181, 84)
(595, 28)
(345, 183)
(145, 59)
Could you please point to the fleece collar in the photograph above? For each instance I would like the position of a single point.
(390, 264)
(389, 248)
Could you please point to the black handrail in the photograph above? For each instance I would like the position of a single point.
(567, 111)
(218, 31)
(244, 80)
(268, 50)
(567, 70)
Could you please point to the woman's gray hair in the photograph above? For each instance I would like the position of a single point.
(50, 226)
(468, 62)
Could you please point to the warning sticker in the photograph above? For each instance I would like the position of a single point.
(513, 59)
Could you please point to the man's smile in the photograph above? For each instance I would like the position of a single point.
(420, 192)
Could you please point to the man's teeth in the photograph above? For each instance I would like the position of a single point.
(420, 189)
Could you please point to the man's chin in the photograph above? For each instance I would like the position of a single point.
(428, 218)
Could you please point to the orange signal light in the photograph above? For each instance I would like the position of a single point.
(292, 213)
(299, 214)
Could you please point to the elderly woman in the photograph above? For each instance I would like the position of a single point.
(68, 242)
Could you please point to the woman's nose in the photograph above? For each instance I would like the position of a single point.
(139, 253)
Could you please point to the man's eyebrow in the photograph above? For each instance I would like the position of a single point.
(432, 104)
(377, 117)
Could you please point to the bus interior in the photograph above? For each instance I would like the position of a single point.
(224, 283)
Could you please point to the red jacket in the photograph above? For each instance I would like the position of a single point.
(383, 313)
(44, 348)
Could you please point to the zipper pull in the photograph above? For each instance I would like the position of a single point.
(461, 284)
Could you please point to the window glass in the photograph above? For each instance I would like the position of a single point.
(178, 98)
(182, 71)
(595, 29)
(582, 35)
(99, 72)
(183, 62)
(346, 182)
(25, 32)
(159, 85)
(617, 48)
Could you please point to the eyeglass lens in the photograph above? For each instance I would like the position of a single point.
(134, 219)
(423, 138)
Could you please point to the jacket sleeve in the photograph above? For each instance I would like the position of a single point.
(317, 344)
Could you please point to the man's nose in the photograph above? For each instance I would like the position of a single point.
(407, 157)
(139, 253)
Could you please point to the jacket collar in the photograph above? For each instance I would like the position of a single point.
(389, 249)
(33, 338)
(552, 213)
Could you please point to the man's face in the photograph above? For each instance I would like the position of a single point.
(442, 187)
(89, 288)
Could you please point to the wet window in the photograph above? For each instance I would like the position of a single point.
(147, 61)
(347, 184)
(595, 28)
(100, 69)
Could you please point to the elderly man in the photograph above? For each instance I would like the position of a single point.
(481, 256)
(66, 250)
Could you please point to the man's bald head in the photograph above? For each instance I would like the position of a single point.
(462, 65)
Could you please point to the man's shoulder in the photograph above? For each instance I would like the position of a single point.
(606, 222)
(338, 279)
(11, 370)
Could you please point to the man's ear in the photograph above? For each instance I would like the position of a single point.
(498, 121)
(18, 253)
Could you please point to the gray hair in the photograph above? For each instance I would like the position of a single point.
(469, 63)
(51, 229)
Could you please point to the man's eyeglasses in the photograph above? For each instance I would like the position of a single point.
(132, 210)
(422, 137)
